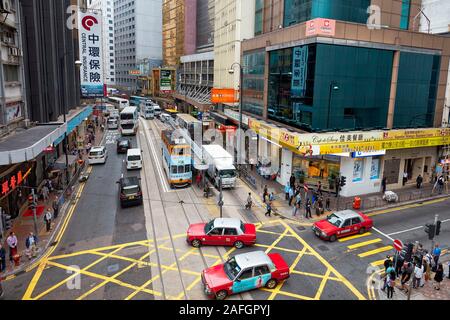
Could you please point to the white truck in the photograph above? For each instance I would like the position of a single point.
(221, 166)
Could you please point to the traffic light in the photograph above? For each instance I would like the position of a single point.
(6, 221)
(343, 181)
(438, 227)
(31, 202)
(431, 230)
(409, 252)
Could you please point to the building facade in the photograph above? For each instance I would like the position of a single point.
(173, 30)
(50, 50)
(332, 95)
(138, 36)
(12, 100)
(107, 9)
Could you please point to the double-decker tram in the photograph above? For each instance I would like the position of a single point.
(177, 160)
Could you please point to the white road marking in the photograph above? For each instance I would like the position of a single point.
(412, 229)
(383, 234)
(404, 231)
(156, 161)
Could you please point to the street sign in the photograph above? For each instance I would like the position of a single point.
(398, 245)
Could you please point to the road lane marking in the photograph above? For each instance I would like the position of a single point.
(322, 285)
(364, 244)
(155, 158)
(409, 206)
(383, 234)
(377, 263)
(355, 237)
(347, 283)
(375, 251)
(404, 231)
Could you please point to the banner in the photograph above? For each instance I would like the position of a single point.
(224, 96)
(299, 71)
(165, 81)
(91, 54)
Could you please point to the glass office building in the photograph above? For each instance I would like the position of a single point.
(333, 87)
(253, 93)
(297, 11)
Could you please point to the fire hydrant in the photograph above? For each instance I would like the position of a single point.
(16, 259)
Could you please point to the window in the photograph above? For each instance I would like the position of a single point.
(261, 270)
(347, 223)
(11, 73)
(247, 274)
(404, 18)
(356, 221)
(216, 232)
(230, 232)
(174, 170)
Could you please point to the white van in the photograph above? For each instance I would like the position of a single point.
(113, 123)
(98, 155)
(134, 159)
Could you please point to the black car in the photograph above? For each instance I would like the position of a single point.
(130, 192)
(123, 145)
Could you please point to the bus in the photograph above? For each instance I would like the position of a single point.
(136, 100)
(189, 123)
(147, 110)
(119, 103)
(177, 160)
(129, 121)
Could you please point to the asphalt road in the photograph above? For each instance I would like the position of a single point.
(141, 252)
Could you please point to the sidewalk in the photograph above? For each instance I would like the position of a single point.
(427, 292)
(24, 223)
(370, 202)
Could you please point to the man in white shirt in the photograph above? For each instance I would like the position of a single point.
(12, 244)
(405, 178)
(418, 274)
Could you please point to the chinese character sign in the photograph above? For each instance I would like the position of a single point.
(91, 55)
(166, 81)
(299, 71)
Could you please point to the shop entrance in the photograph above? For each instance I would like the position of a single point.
(391, 171)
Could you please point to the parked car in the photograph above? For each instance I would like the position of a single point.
(244, 272)
(222, 232)
(98, 155)
(130, 192)
(341, 224)
(123, 145)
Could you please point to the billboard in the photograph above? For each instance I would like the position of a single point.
(165, 81)
(224, 96)
(321, 27)
(91, 54)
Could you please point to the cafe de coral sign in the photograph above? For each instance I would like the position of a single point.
(310, 144)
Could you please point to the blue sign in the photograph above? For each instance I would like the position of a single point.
(92, 91)
(299, 71)
(73, 123)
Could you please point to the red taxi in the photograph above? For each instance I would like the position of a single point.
(341, 224)
(222, 232)
(244, 272)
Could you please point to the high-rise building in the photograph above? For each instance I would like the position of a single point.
(138, 36)
(333, 91)
(12, 100)
(50, 48)
(107, 9)
(174, 29)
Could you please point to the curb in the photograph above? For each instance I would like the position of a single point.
(23, 268)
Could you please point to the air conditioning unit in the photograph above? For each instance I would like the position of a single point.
(5, 6)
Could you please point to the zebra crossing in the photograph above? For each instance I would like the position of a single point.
(367, 247)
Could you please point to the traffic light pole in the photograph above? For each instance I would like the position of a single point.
(436, 218)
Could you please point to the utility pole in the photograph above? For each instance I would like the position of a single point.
(436, 218)
(220, 197)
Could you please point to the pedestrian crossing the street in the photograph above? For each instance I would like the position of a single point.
(367, 246)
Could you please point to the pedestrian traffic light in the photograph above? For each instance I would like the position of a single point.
(31, 202)
(6, 221)
(431, 230)
(409, 252)
(343, 181)
(438, 227)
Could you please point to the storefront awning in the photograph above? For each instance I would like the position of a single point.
(28, 144)
(74, 122)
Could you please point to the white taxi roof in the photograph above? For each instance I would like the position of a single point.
(97, 149)
(347, 214)
(227, 223)
(251, 259)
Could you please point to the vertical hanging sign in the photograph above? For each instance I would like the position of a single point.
(299, 71)
(91, 55)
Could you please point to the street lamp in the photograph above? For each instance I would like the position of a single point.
(333, 87)
(78, 63)
(241, 85)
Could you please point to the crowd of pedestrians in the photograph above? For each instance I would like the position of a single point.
(423, 268)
